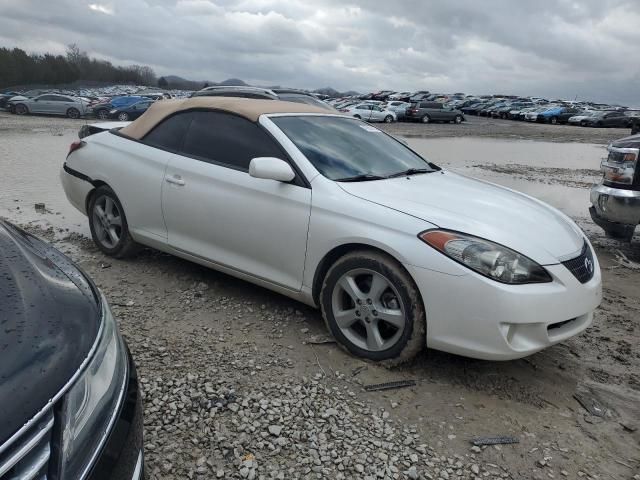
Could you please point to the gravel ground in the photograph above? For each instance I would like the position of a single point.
(238, 381)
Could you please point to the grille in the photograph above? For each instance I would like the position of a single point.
(583, 265)
(27, 456)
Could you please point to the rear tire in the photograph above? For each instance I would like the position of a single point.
(388, 119)
(108, 224)
(357, 116)
(21, 109)
(103, 114)
(378, 306)
(553, 120)
(123, 116)
(458, 119)
(73, 113)
(426, 119)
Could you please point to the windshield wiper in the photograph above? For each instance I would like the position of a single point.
(409, 171)
(361, 178)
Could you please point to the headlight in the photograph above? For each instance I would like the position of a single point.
(91, 405)
(487, 258)
(620, 165)
(113, 111)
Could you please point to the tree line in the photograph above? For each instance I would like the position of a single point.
(18, 68)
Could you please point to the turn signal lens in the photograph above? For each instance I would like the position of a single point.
(486, 258)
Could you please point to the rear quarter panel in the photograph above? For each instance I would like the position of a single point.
(134, 171)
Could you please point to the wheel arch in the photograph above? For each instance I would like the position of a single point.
(96, 184)
(339, 251)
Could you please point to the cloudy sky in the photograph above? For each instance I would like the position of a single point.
(553, 48)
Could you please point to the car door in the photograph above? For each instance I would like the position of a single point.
(438, 114)
(41, 104)
(611, 119)
(60, 105)
(364, 111)
(377, 114)
(216, 211)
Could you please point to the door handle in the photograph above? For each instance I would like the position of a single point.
(176, 180)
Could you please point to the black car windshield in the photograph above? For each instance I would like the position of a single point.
(342, 148)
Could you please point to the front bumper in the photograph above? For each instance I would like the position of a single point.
(474, 316)
(616, 210)
(122, 456)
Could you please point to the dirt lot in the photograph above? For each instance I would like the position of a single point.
(236, 384)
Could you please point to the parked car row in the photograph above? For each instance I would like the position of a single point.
(557, 112)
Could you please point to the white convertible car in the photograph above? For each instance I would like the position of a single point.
(328, 210)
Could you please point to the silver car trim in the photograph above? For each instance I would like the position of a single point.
(137, 472)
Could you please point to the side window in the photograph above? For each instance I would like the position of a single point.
(169, 134)
(46, 98)
(227, 139)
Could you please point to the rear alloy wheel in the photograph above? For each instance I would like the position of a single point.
(123, 116)
(373, 308)
(426, 119)
(73, 113)
(458, 119)
(21, 109)
(103, 114)
(583, 123)
(553, 120)
(388, 119)
(108, 224)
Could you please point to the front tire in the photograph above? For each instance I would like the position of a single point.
(21, 109)
(357, 116)
(103, 114)
(373, 308)
(388, 119)
(108, 224)
(426, 119)
(553, 120)
(458, 119)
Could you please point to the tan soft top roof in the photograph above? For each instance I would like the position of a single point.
(246, 107)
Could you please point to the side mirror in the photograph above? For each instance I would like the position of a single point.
(271, 168)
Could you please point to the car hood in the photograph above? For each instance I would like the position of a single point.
(49, 319)
(464, 204)
(627, 142)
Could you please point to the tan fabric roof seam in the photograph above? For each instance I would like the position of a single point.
(248, 108)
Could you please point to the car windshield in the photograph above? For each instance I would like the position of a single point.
(342, 148)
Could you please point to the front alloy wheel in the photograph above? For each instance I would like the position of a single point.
(373, 308)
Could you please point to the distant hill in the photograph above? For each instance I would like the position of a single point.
(232, 82)
(179, 83)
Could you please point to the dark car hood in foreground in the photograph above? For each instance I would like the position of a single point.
(627, 142)
(49, 319)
